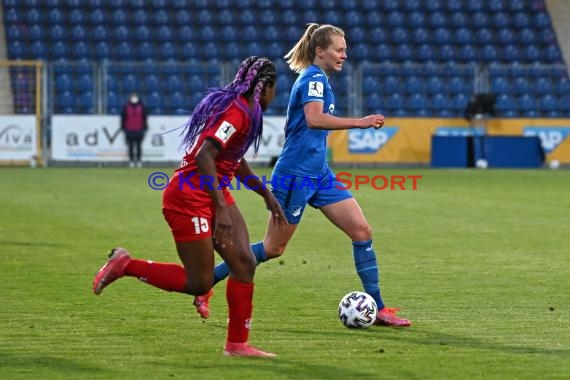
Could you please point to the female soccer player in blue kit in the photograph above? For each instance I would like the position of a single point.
(302, 168)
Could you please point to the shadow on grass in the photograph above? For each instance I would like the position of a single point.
(30, 243)
(36, 364)
(434, 338)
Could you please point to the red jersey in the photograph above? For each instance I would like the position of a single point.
(185, 192)
(229, 134)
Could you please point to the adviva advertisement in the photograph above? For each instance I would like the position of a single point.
(17, 138)
(99, 138)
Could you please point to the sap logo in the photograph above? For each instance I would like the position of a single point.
(459, 131)
(369, 140)
(550, 137)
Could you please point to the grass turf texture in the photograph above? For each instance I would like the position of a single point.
(477, 259)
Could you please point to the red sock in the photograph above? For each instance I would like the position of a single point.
(240, 307)
(165, 276)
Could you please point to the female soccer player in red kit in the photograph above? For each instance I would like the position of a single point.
(201, 212)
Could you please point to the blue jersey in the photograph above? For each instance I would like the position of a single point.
(305, 149)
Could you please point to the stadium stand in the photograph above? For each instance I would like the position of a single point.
(394, 47)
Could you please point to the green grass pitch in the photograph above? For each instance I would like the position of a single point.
(479, 260)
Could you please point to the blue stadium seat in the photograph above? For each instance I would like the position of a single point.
(505, 36)
(418, 103)
(56, 32)
(441, 36)
(399, 35)
(425, 52)
(394, 102)
(161, 17)
(475, 5)
(370, 84)
(548, 102)
(140, 17)
(102, 51)
(122, 51)
(121, 33)
(54, 16)
(490, 53)
(516, 5)
(155, 103)
(501, 20)
(63, 83)
(511, 53)
(85, 103)
(543, 86)
(553, 54)
(183, 17)
(447, 53)
(435, 85)
(177, 104)
(546, 36)
(310, 15)
(416, 19)
(527, 36)
(118, 16)
(521, 20)
(437, 19)
(484, 36)
(413, 84)
(505, 102)
(164, 33)
(496, 6)
(468, 53)
(532, 53)
(404, 52)
(249, 34)
(374, 19)
(459, 19)
(390, 84)
(421, 35)
(433, 5)
(520, 85)
(459, 102)
(480, 20)
(541, 20)
(411, 5)
(64, 102)
(100, 33)
(395, 19)
(500, 85)
(231, 50)
(151, 83)
(38, 50)
(527, 102)
(167, 51)
(174, 83)
(130, 83)
(457, 84)
(373, 102)
(97, 17)
(454, 5)
(190, 51)
(76, 16)
(440, 102)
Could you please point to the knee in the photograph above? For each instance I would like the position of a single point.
(275, 250)
(198, 289)
(361, 232)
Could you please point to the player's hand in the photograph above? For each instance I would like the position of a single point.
(223, 233)
(373, 121)
(277, 214)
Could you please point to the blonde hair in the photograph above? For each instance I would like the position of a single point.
(303, 53)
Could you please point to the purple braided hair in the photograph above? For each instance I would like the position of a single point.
(253, 74)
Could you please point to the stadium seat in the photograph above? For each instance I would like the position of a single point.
(521, 20)
(421, 35)
(475, 5)
(404, 52)
(484, 36)
(505, 36)
(413, 84)
(433, 5)
(480, 20)
(85, 103)
(394, 102)
(440, 102)
(505, 102)
(417, 103)
(511, 53)
(425, 52)
(526, 36)
(102, 51)
(373, 103)
(446, 53)
(164, 33)
(63, 83)
(500, 85)
(140, 17)
(56, 32)
(459, 20)
(548, 103)
(441, 36)
(390, 84)
(395, 19)
(435, 85)
(527, 102)
(400, 36)
(230, 51)
(437, 19)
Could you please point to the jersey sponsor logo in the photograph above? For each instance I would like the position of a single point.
(331, 109)
(316, 89)
(550, 137)
(225, 131)
(369, 141)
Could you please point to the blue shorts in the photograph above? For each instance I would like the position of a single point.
(295, 192)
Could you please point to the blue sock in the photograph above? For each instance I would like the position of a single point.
(367, 269)
(221, 271)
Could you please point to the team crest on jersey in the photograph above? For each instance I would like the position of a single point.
(225, 131)
(316, 89)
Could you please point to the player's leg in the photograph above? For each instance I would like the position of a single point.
(131, 147)
(343, 211)
(239, 290)
(194, 249)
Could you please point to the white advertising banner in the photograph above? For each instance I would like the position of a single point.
(99, 138)
(17, 137)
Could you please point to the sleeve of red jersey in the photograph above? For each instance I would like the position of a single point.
(230, 125)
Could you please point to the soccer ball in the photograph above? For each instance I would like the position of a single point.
(357, 310)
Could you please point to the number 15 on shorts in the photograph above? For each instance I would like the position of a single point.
(200, 225)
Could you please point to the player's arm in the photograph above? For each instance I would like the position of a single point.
(317, 119)
(252, 181)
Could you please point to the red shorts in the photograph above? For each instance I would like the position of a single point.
(189, 211)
